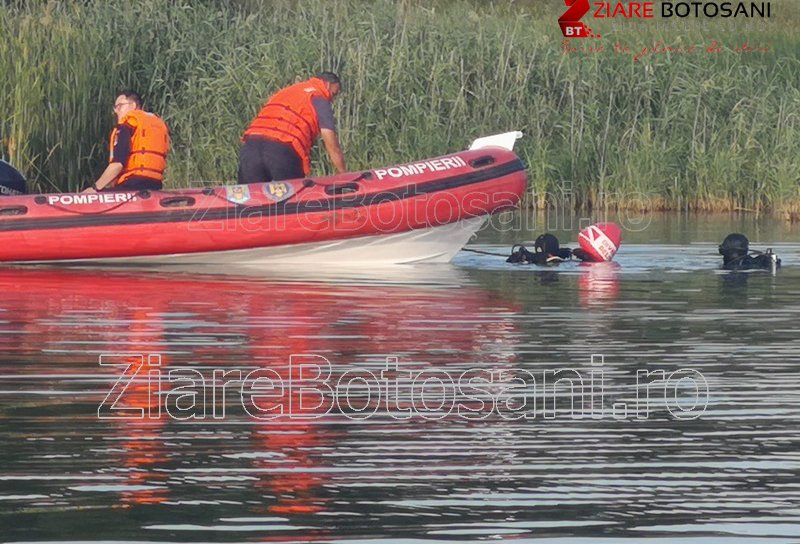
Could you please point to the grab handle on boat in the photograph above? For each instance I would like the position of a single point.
(336, 188)
(480, 162)
(177, 201)
(14, 210)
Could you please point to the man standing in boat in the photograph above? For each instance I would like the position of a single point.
(277, 144)
(139, 145)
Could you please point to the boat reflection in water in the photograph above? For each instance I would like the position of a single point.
(199, 336)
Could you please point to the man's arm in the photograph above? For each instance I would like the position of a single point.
(108, 176)
(120, 155)
(327, 131)
(331, 140)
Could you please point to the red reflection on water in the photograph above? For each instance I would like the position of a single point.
(250, 323)
(598, 284)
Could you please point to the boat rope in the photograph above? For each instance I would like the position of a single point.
(206, 191)
(243, 206)
(484, 252)
(307, 183)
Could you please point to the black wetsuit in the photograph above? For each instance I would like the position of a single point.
(521, 255)
(762, 261)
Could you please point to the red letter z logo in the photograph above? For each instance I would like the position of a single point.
(570, 23)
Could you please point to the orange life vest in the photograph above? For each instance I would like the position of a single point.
(289, 117)
(149, 146)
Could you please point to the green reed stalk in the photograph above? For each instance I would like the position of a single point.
(705, 132)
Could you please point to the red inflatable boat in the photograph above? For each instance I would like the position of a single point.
(421, 211)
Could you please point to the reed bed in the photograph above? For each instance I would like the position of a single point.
(670, 131)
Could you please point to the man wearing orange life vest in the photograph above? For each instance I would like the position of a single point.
(277, 144)
(139, 145)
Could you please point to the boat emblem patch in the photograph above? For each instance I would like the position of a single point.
(278, 191)
(238, 194)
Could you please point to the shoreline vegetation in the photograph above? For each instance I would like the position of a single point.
(679, 127)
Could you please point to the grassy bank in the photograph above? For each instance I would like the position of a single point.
(667, 131)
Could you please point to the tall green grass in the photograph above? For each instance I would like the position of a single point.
(669, 131)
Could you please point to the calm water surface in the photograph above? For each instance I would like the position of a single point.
(435, 417)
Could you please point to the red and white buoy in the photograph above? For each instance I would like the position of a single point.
(600, 241)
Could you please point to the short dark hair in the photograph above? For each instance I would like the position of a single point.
(330, 77)
(133, 96)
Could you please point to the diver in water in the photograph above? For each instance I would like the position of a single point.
(599, 243)
(547, 252)
(736, 255)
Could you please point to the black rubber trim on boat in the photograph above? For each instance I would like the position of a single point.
(281, 208)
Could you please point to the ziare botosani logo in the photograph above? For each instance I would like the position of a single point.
(570, 20)
(662, 11)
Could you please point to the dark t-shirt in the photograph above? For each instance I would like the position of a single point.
(324, 113)
(122, 147)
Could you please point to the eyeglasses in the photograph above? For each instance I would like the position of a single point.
(118, 106)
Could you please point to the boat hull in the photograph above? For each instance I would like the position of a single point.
(420, 212)
(428, 245)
